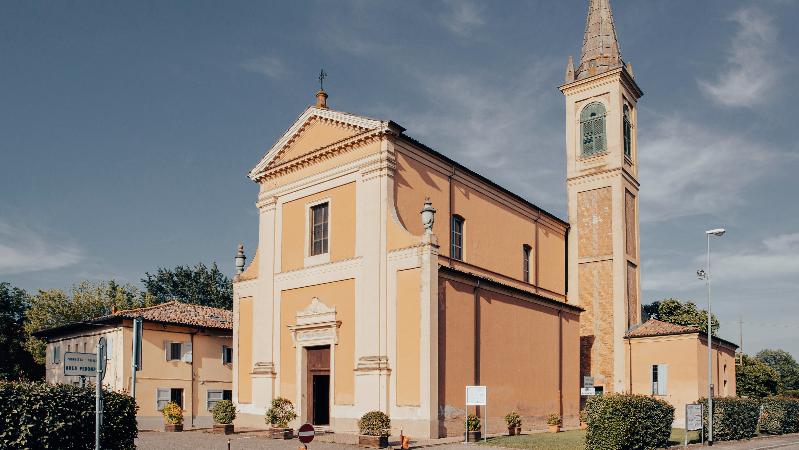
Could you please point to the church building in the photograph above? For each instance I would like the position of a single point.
(389, 277)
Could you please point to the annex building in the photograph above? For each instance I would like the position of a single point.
(388, 276)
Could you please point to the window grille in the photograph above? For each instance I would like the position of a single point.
(592, 126)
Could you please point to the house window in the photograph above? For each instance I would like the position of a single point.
(227, 355)
(173, 351)
(56, 354)
(627, 132)
(176, 396)
(214, 396)
(526, 264)
(659, 379)
(319, 229)
(457, 237)
(162, 397)
(592, 129)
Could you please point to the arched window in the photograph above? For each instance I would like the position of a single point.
(592, 126)
(628, 133)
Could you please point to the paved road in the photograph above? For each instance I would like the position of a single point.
(201, 440)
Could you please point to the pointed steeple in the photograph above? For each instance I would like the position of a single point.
(600, 46)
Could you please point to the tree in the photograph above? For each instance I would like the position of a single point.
(199, 285)
(675, 311)
(15, 362)
(754, 378)
(86, 301)
(784, 364)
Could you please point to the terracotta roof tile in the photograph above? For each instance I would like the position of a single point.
(653, 327)
(180, 313)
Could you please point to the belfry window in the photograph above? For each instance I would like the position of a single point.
(457, 237)
(627, 133)
(592, 129)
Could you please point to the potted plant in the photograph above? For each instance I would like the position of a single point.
(374, 428)
(554, 421)
(279, 415)
(224, 412)
(514, 422)
(583, 419)
(472, 428)
(173, 417)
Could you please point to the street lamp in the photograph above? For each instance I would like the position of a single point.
(705, 275)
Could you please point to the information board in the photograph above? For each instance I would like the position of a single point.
(693, 416)
(475, 395)
(80, 364)
(588, 382)
(588, 391)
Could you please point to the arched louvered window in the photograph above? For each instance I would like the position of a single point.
(592, 127)
(628, 133)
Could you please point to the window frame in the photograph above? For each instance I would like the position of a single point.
(56, 355)
(227, 350)
(170, 352)
(627, 131)
(172, 396)
(456, 249)
(659, 377)
(527, 251)
(312, 259)
(593, 119)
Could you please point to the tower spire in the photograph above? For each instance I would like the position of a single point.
(600, 45)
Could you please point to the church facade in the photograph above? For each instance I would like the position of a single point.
(389, 277)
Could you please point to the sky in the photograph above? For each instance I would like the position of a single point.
(127, 128)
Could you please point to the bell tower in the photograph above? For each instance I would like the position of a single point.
(602, 183)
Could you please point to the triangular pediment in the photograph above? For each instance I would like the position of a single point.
(315, 129)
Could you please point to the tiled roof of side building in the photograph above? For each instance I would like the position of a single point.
(654, 327)
(179, 313)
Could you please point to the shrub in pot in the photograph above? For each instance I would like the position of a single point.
(514, 422)
(224, 413)
(173, 417)
(279, 414)
(374, 428)
(554, 421)
(583, 419)
(472, 428)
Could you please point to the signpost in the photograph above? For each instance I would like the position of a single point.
(306, 434)
(80, 364)
(477, 396)
(136, 354)
(98, 386)
(588, 386)
(693, 420)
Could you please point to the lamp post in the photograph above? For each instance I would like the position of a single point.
(705, 275)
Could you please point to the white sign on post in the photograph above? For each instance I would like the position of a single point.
(693, 417)
(475, 395)
(80, 364)
(587, 391)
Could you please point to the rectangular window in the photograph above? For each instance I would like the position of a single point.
(212, 398)
(457, 238)
(227, 355)
(56, 354)
(319, 229)
(659, 379)
(162, 397)
(227, 394)
(173, 351)
(176, 396)
(526, 255)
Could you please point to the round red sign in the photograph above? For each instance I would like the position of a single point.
(305, 433)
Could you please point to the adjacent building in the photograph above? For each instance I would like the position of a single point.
(186, 357)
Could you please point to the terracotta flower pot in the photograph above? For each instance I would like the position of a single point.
(282, 433)
(223, 428)
(554, 428)
(173, 427)
(511, 431)
(583, 425)
(473, 436)
(372, 441)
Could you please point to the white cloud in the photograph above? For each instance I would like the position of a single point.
(461, 17)
(752, 67)
(269, 66)
(687, 169)
(24, 249)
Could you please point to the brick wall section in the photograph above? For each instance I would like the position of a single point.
(594, 223)
(596, 297)
(629, 225)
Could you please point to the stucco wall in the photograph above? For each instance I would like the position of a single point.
(87, 340)
(409, 328)
(244, 360)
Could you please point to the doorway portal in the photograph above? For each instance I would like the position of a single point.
(318, 387)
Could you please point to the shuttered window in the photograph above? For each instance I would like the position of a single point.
(592, 128)
(660, 376)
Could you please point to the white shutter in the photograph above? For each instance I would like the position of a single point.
(162, 397)
(109, 347)
(166, 350)
(663, 379)
(213, 397)
(185, 352)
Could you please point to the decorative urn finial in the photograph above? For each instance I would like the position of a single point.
(240, 258)
(428, 215)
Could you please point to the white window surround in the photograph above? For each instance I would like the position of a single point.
(324, 257)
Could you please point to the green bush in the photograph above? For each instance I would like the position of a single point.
(224, 412)
(472, 422)
(374, 423)
(791, 393)
(46, 416)
(627, 422)
(734, 418)
(779, 415)
(173, 414)
(513, 419)
(280, 413)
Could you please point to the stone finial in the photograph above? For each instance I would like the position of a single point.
(428, 215)
(629, 68)
(240, 258)
(321, 99)
(570, 70)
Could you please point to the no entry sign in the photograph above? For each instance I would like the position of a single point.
(305, 433)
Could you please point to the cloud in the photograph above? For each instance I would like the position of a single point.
(269, 66)
(461, 17)
(688, 169)
(24, 249)
(752, 68)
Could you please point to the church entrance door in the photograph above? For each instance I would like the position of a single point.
(318, 386)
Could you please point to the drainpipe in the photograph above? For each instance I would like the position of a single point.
(191, 387)
(449, 250)
(560, 362)
(477, 340)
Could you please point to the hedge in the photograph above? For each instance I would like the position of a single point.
(779, 415)
(58, 416)
(627, 422)
(734, 418)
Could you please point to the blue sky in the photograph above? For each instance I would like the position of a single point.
(128, 128)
